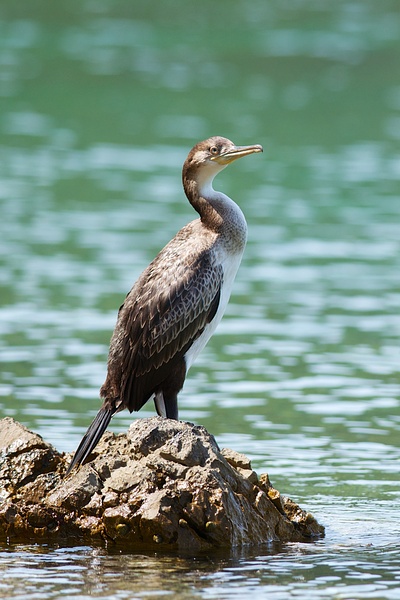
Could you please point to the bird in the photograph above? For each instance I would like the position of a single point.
(177, 302)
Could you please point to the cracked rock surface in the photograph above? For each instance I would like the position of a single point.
(163, 484)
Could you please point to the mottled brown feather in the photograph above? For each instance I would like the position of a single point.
(165, 311)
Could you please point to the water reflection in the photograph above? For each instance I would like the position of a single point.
(276, 571)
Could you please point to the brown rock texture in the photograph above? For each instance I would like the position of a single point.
(164, 484)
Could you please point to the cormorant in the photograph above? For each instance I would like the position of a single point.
(176, 304)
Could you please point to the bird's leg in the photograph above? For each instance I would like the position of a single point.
(160, 404)
(171, 405)
(166, 406)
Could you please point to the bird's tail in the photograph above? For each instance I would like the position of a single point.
(92, 436)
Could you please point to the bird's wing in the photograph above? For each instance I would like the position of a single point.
(161, 317)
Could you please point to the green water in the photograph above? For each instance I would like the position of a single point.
(99, 104)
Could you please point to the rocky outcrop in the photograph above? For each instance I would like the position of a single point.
(163, 484)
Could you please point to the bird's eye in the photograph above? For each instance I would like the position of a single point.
(214, 150)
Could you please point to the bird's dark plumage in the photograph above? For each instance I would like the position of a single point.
(175, 305)
(92, 436)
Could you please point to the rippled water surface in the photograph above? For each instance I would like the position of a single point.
(99, 104)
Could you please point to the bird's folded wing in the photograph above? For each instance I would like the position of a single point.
(163, 315)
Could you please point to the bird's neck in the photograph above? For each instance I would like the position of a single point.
(204, 200)
(217, 211)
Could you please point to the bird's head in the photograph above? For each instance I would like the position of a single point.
(209, 157)
(205, 160)
(219, 152)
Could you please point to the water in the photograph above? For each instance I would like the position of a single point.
(99, 105)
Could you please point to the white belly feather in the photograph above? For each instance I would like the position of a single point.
(230, 264)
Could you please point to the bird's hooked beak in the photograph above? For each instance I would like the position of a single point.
(236, 152)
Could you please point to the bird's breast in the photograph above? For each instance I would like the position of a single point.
(230, 263)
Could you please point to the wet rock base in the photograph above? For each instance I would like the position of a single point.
(164, 484)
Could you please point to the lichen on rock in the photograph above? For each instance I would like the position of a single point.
(163, 484)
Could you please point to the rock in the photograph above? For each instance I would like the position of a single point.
(28, 464)
(164, 484)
